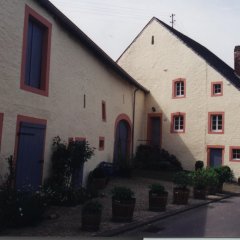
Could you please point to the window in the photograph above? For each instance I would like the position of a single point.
(216, 123)
(178, 123)
(179, 88)
(103, 111)
(216, 89)
(1, 127)
(101, 143)
(36, 53)
(234, 153)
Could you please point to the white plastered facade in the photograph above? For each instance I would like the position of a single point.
(155, 66)
(74, 71)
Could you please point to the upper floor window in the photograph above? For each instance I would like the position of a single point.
(36, 53)
(216, 89)
(178, 123)
(216, 123)
(179, 88)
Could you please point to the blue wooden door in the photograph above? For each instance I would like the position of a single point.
(215, 157)
(30, 155)
(155, 131)
(122, 141)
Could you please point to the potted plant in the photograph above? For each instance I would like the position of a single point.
(224, 174)
(200, 183)
(213, 182)
(157, 197)
(181, 192)
(91, 216)
(123, 204)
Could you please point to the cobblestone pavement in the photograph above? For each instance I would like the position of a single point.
(69, 221)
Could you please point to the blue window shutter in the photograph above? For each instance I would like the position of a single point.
(29, 53)
(34, 55)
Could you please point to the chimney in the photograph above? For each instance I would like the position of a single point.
(237, 60)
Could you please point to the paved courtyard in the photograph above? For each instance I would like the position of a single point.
(68, 222)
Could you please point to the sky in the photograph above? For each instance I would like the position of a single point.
(113, 24)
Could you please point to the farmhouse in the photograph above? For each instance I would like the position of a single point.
(55, 81)
(194, 96)
(165, 90)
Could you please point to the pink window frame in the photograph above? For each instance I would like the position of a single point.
(210, 114)
(231, 148)
(101, 147)
(212, 89)
(33, 120)
(209, 147)
(172, 130)
(44, 90)
(174, 82)
(1, 128)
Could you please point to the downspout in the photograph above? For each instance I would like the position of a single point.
(133, 119)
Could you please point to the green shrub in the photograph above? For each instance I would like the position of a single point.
(157, 188)
(155, 158)
(182, 179)
(92, 207)
(122, 193)
(22, 207)
(224, 173)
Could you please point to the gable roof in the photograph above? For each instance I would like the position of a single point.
(87, 42)
(202, 51)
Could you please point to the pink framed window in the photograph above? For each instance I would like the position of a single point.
(216, 122)
(216, 89)
(101, 143)
(35, 53)
(178, 121)
(104, 116)
(179, 88)
(234, 153)
(1, 128)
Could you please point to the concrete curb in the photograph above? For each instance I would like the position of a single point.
(136, 224)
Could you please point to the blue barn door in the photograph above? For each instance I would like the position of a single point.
(215, 157)
(30, 155)
(122, 143)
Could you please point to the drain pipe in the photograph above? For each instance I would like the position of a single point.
(133, 118)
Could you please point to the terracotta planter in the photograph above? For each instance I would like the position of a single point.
(199, 193)
(157, 202)
(180, 196)
(90, 221)
(122, 211)
(99, 183)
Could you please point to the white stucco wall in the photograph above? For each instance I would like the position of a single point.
(74, 71)
(156, 66)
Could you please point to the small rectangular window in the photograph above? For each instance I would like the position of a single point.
(234, 153)
(178, 123)
(101, 143)
(216, 123)
(104, 118)
(179, 88)
(217, 89)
